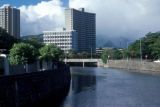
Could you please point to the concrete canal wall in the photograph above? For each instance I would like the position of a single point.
(143, 66)
(26, 90)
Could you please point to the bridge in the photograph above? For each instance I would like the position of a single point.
(98, 61)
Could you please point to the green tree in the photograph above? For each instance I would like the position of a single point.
(71, 54)
(34, 41)
(84, 55)
(150, 45)
(112, 54)
(22, 53)
(117, 54)
(155, 50)
(6, 40)
(125, 53)
(105, 55)
(134, 49)
(50, 52)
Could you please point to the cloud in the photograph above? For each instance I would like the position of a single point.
(46, 15)
(123, 18)
(115, 18)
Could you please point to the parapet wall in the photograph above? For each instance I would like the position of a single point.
(30, 88)
(135, 65)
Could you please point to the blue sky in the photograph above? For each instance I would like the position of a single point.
(18, 3)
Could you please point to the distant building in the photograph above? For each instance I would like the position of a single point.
(85, 24)
(66, 40)
(100, 50)
(10, 20)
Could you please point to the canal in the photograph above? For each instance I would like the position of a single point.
(104, 87)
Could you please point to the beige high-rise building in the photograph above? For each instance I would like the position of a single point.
(10, 20)
(84, 24)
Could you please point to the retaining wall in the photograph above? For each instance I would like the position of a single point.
(26, 90)
(135, 65)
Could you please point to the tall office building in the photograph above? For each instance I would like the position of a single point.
(85, 24)
(10, 20)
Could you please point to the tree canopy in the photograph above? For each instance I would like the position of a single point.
(104, 56)
(50, 52)
(22, 53)
(6, 40)
(150, 45)
(111, 54)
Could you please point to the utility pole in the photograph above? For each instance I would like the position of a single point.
(91, 52)
(127, 52)
(140, 50)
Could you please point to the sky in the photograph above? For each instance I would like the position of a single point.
(114, 18)
(18, 3)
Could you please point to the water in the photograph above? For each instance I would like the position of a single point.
(103, 87)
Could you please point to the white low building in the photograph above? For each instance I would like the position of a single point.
(65, 40)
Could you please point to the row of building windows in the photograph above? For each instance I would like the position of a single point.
(57, 36)
(58, 33)
(64, 46)
(58, 40)
(58, 43)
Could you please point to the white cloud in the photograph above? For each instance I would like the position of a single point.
(46, 15)
(115, 18)
(128, 18)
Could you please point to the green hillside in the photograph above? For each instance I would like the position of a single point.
(37, 37)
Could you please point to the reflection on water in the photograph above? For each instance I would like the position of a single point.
(82, 81)
(102, 87)
(82, 86)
